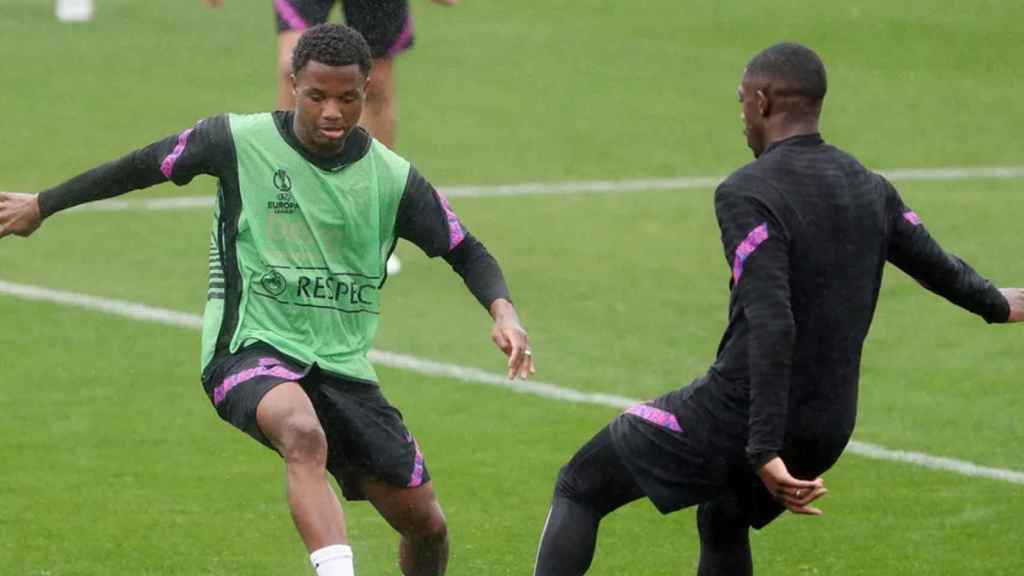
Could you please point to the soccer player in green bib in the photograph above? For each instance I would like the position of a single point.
(309, 207)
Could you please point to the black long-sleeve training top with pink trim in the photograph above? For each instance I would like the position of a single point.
(807, 231)
(424, 217)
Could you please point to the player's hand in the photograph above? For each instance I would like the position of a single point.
(214, 3)
(796, 495)
(446, 2)
(508, 334)
(1015, 298)
(19, 214)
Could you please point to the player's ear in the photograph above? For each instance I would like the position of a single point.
(764, 104)
(295, 85)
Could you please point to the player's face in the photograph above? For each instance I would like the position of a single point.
(328, 103)
(750, 113)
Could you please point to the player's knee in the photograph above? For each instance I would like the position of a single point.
(431, 528)
(722, 522)
(304, 441)
(567, 486)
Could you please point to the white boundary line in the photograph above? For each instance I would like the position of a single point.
(146, 313)
(583, 187)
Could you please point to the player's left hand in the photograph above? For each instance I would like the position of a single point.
(1015, 298)
(796, 495)
(19, 214)
(508, 334)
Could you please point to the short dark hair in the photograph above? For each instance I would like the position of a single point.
(795, 69)
(333, 45)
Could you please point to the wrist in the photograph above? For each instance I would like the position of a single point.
(759, 459)
(501, 309)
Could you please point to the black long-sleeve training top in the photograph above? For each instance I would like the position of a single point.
(423, 215)
(807, 231)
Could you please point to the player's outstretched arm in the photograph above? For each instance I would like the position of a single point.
(19, 214)
(913, 250)
(511, 338)
(1015, 300)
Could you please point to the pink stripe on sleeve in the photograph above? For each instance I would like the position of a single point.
(456, 233)
(912, 217)
(746, 248)
(167, 166)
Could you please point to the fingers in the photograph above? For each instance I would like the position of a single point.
(797, 495)
(513, 342)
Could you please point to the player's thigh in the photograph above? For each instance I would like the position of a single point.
(287, 418)
(382, 81)
(367, 437)
(597, 476)
(237, 384)
(410, 511)
(286, 42)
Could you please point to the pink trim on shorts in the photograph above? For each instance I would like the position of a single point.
(746, 248)
(167, 166)
(655, 416)
(404, 38)
(290, 15)
(912, 217)
(416, 478)
(267, 367)
(456, 233)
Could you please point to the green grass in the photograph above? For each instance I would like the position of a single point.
(114, 462)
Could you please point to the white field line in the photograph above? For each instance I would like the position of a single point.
(142, 312)
(582, 187)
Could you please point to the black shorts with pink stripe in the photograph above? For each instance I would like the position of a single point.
(366, 437)
(681, 453)
(386, 24)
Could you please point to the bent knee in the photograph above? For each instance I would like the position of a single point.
(431, 527)
(303, 441)
(567, 485)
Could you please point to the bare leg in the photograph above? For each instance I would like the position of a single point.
(286, 42)
(416, 515)
(286, 416)
(380, 113)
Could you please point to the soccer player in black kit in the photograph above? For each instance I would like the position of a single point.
(807, 231)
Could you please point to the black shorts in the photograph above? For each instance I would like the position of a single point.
(366, 437)
(386, 24)
(681, 456)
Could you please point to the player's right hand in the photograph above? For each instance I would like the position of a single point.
(795, 494)
(1015, 298)
(19, 214)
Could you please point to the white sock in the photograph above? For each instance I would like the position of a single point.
(333, 561)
